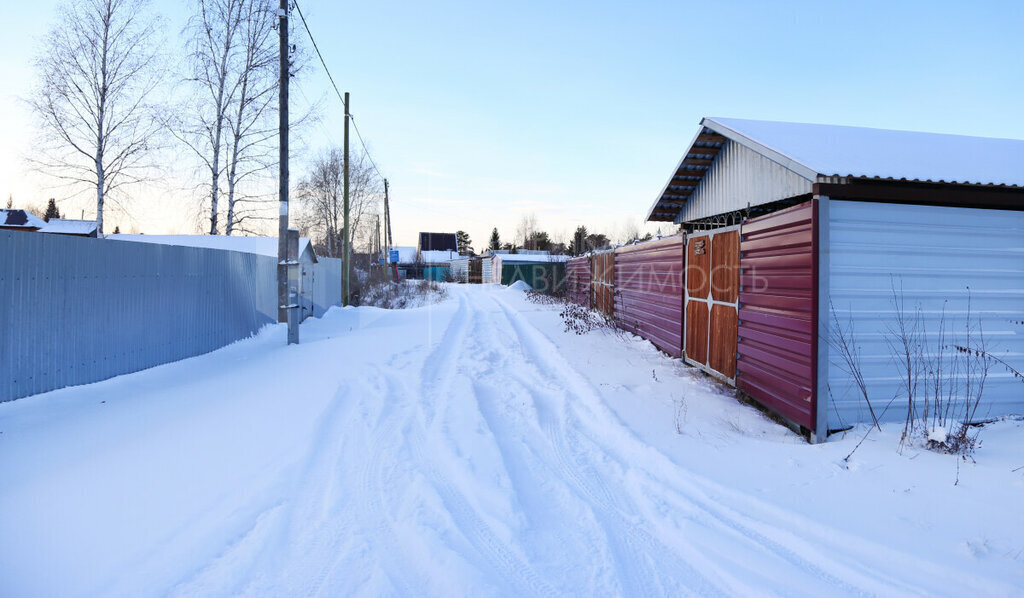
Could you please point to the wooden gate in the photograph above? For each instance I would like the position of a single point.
(476, 270)
(602, 282)
(712, 296)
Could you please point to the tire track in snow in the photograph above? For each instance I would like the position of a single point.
(501, 558)
(636, 574)
(766, 538)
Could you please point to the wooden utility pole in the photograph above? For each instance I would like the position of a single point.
(387, 219)
(346, 253)
(282, 229)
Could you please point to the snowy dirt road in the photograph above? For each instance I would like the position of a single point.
(473, 448)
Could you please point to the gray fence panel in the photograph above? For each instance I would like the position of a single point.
(326, 284)
(76, 310)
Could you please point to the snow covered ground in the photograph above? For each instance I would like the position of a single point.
(472, 448)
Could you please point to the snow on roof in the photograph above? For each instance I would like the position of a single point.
(63, 226)
(406, 255)
(531, 258)
(438, 256)
(880, 153)
(16, 218)
(258, 245)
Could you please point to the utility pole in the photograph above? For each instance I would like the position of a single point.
(282, 229)
(346, 254)
(387, 219)
(285, 310)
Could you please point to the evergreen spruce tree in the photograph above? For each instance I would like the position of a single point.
(463, 240)
(51, 211)
(578, 243)
(495, 242)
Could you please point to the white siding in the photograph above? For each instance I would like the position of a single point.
(740, 177)
(933, 255)
(487, 270)
(460, 269)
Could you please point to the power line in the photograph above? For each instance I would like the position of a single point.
(362, 143)
(317, 48)
(351, 116)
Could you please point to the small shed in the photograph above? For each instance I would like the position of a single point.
(71, 228)
(545, 273)
(834, 236)
(17, 219)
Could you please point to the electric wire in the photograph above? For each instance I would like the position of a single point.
(341, 97)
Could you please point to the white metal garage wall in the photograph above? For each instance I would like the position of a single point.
(932, 255)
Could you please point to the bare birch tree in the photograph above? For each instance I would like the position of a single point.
(322, 200)
(215, 37)
(98, 68)
(252, 118)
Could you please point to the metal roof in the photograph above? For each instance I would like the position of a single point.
(813, 151)
(16, 218)
(63, 226)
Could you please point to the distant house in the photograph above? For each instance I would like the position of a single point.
(14, 219)
(71, 228)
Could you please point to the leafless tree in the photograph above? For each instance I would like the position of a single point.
(526, 229)
(322, 200)
(214, 31)
(251, 120)
(98, 69)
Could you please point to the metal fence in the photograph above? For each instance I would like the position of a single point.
(326, 284)
(77, 310)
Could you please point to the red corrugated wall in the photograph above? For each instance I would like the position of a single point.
(649, 292)
(778, 317)
(577, 280)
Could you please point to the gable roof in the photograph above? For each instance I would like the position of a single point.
(63, 226)
(258, 245)
(17, 218)
(438, 242)
(813, 151)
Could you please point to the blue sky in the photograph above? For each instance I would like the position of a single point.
(480, 112)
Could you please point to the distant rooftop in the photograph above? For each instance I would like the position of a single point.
(63, 226)
(17, 218)
(438, 242)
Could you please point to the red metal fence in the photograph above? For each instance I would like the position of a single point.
(577, 280)
(649, 292)
(777, 348)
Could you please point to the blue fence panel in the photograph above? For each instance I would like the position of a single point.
(77, 310)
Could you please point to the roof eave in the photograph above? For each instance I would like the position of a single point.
(778, 157)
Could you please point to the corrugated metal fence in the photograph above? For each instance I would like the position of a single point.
(777, 309)
(326, 284)
(649, 292)
(76, 310)
(577, 280)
